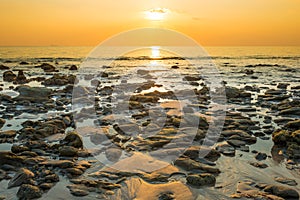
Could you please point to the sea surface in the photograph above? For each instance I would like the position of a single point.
(271, 65)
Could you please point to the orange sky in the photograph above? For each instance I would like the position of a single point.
(210, 22)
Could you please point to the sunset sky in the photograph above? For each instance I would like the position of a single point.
(210, 22)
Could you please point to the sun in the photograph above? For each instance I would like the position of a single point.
(157, 14)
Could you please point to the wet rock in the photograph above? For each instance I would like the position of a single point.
(236, 143)
(46, 186)
(190, 165)
(51, 178)
(68, 151)
(261, 156)
(9, 76)
(10, 159)
(226, 149)
(287, 181)
(293, 125)
(74, 171)
(73, 67)
(281, 191)
(47, 67)
(3, 67)
(58, 163)
(259, 165)
(280, 137)
(290, 111)
(22, 176)
(2, 122)
(21, 78)
(33, 94)
(78, 190)
(18, 148)
(27, 191)
(73, 139)
(204, 179)
(282, 85)
(60, 80)
(8, 134)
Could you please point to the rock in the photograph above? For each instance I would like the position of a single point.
(68, 151)
(201, 179)
(10, 159)
(190, 165)
(22, 176)
(259, 165)
(78, 190)
(33, 94)
(293, 125)
(290, 111)
(9, 76)
(8, 134)
(27, 192)
(23, 63)
(261, 156)
(73, 67)
(2, 122)
(46, 186)
(18, 148)
(52, 178)
(281, 191)
(282, 85)
(175, 67)
(58, 163)
(73, 139)
(47, 67)
(226, 149)
(74, 171)
(287, 181)
(236, 143)
(2, 67)
(280, 137)
(21, 78)
(60, 80)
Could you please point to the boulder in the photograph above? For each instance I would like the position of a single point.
(10, 159)
(2, 122)
(73, 139)
(282, 191)
(68, 151)
(73, 67)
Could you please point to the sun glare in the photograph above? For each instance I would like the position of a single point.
(155, 52)
(157, 14)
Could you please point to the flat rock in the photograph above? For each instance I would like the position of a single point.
(22, 176)
(27, 191)
(282, 191)
(287, 181)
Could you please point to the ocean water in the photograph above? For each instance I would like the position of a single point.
(270, 65)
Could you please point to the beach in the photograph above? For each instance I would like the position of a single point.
(150, 127)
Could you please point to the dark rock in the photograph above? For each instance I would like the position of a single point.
(2, 67)
(286, 181)
(21, 78)
(47, 67)
(58, 163)
(201, 179)
(73, 139)
(27, 192)
(259, 165)
(2, 122)
(78, 190)
(226, 149)
(190, 165)
(73, 67)
(293, 125)
(10, 159)
(21, 177)
(290, 111)
(68, 151)
(9, 76)
(33, 94)
(261, 156)
(281, 191)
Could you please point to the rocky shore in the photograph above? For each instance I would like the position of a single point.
(48, 151)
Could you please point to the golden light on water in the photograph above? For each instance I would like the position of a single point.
(155, 52)
(157, 14)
